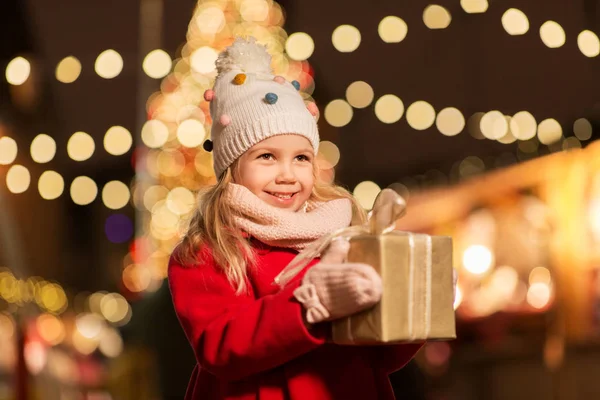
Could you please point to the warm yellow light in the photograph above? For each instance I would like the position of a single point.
(109, 64)
(80, 146)
(43, 148)
(210, 20)
(254, 10)
(523, 125)
(50, 328)
(420, 115)
(392, 29)
(18, 179)
(588, 43)
(571, 143)
(330, 152)
(170, 162)
(582, 129)
(474, 6)
(508, 137)
(8, 150)
(389, 109)
(203, 60)
(51, 185)
(180, 201)
(549, 131)
(359, 94)
(477, 259)
(552, 34)
(515, 22)
(436, 17)
(458, 297)
(18, 71)
(83, 190)
(153, 195)
(115, 195)
(338, 113)
(450, 121)
(117, 140)
(82, 344)
(366, 192)
(538, 295)
(157, 64)
(114, 307)
(68, 70)
(346, 38)
(89, 325)
(299, 46)
(540, 275)
(53, 298)
(191, 133)
(155, 133)
(111, 343)
(136, 278)
(493, 125)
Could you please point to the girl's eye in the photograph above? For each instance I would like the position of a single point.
(266, 156)
(302, 157)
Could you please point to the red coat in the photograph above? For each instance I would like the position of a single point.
(256, 347)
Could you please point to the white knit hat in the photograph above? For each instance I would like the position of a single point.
(249, 104)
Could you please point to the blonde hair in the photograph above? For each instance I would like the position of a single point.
(212, 225)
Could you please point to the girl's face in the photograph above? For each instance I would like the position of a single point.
(279, 170)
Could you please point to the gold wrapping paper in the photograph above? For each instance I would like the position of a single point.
(416, 271)
(418, 290)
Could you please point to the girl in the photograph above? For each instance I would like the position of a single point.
(253, 339)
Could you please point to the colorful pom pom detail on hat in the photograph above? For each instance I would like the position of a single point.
(239, 79)
(279, 79)
(271, 98)
(296, 84)
(207, 145)
(313, 109)
(209, 95)
(225, 120)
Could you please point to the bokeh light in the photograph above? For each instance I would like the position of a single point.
(582, 128)
(18, 71)
(389, 108)
(155, 133)
(299, 46)
(549, 131)
(115, 195)
(50, 328)
(118, 228)
(8, 150)
(494, 125)
(523, 125)
(83, 190)
(588, 43)
(346, 38)
(68, 70)
(474, 6)
(191, 133)
(552, 34)
(136, 277)
(436, 17)
(366, 192)
(538, 295)
(203, 60)
(392, 29)
(359, 94)
(330, 153)
(450, 121)
(157, 64)
(210, 19)
(114, 307)
(117, 140)
(515, 22)
(420, 115)
(109, 64)
(477, 259)
(51, 185)
(111, 343)
(43, 148)
(80, 146)
(338, 113)
(18, 179)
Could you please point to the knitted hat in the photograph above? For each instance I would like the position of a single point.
(249, 104)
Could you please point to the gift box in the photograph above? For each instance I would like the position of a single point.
(416, 271)
(418, 290)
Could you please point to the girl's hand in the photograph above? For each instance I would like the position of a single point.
(333, 289)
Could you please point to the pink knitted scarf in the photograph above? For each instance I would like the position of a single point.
(283, 228)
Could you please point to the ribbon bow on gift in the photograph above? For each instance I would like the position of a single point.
(388, 207)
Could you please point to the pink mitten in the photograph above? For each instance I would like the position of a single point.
(333, 289)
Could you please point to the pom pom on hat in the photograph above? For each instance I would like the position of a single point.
(245, 55)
